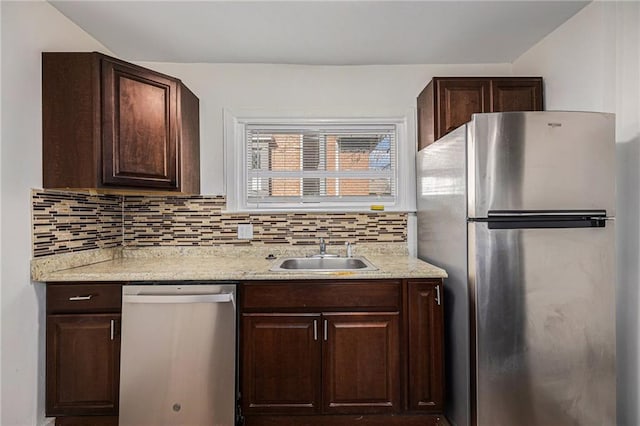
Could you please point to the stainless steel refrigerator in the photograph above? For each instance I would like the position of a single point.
(519, 209)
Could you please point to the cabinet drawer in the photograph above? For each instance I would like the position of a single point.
(84, 298)
(317, 295)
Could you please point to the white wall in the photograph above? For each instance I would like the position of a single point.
(305, 90)
(319, 89)
(592, 62)
(28, 28)
(0, 222)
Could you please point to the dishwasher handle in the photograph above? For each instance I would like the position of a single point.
(178, 298)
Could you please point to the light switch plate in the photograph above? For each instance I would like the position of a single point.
(245, 231)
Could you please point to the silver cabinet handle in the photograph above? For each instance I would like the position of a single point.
(171, 298)
(315, 329)
(77, 298)
(113, 329)
(438, 294)
(326, 328)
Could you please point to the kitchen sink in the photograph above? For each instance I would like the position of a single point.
(322, 264)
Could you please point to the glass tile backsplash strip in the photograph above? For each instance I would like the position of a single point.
(66, 222)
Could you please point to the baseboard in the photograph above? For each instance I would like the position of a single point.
(346, 420)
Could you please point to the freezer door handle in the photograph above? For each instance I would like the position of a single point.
(178, 298)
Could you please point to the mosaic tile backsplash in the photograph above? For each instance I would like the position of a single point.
(65, 222)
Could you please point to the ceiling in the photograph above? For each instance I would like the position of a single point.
(319, 32)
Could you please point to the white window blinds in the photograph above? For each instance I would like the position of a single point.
(312, 164)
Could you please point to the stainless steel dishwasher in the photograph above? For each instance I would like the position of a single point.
(178, 356)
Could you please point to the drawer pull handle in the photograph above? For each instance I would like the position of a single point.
(77, 298)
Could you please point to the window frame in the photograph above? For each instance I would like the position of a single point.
(235, 155)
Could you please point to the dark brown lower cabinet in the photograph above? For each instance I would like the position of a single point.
(284, 371)
(83, 361)
(83, 353)
(330, 353)
(342, 352)
(281, 363)
(426, 346)
(361, 370)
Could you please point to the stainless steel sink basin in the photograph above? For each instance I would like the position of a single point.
(322, 264)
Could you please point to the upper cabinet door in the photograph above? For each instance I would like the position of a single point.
(139, 133)
(111, 125)
(447, 103)
(457, 100)
(516, 94)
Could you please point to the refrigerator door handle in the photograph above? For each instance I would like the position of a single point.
(532, 219)
(546, 213)
(548, 223)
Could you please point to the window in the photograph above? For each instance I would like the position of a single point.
(313, 164)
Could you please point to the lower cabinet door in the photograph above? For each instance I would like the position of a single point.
(280, 363)
(83, 364)
(361, 370)
(426, 347)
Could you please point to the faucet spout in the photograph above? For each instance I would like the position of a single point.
(323, 250)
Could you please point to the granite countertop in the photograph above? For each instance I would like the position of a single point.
(193, 264)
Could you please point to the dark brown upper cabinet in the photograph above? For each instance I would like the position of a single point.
(111, 125)
(448, 102)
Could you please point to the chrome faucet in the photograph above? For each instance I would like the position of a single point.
(323, 250)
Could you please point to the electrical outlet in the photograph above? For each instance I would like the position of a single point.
(245, 231)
